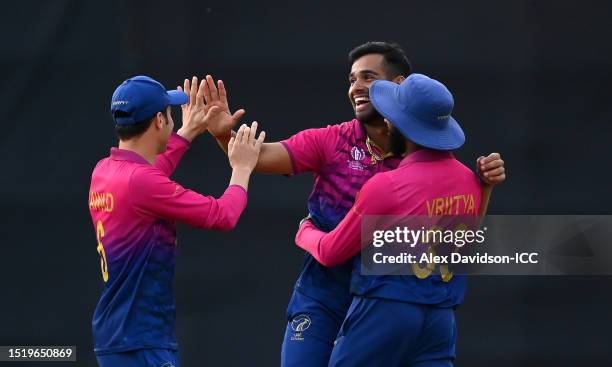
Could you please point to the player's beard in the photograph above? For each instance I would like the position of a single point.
(370, 117)
(397, 142)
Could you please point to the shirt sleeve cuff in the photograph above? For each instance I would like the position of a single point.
(291, 157)
(180, 139)
(237, 187)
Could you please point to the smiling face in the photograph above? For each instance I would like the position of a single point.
(364, 71)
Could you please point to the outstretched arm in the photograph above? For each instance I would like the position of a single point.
(273, 158)
(152, 193)
(344, 242)
(333, 248)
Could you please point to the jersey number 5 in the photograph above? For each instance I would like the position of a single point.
(103, 263)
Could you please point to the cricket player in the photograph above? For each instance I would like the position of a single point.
(398, 320)
(134, 206)
(342, 157)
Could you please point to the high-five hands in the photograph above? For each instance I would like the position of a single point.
(197, 115)
(243, 149)
(216, 96)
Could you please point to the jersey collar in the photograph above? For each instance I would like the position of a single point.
(426, 155)
(361, 134)
(127, 155)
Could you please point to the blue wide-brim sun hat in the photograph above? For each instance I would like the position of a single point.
(420, 108)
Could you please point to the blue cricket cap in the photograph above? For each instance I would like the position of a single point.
(420, 108)
(141, 98)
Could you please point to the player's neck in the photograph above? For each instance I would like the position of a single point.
(411, 147)
(146, 150)
(379, 133)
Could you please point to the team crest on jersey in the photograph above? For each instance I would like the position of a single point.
(358, 154)
(299, 324)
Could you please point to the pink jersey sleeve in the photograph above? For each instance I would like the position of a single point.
(338, 246)
(153, 194)
(311, 148)
(168, 160)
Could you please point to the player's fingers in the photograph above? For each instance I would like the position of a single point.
(492, 165)
(497, 179)
(237, 116)
(491, 157)
(260, 140)
(207, 93)
(213, 88)
(222, 92)
(479, 161)
(239, 134)
(187, 88)
(253, 133)
(244, 128)
(200, 94)
(193, 91)
(246, 135)
(494, 172)
(239, 140)
(230, 144)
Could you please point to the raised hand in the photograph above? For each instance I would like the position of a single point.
(216, 96)
(243, 149)
(196, 114)
(491, 169)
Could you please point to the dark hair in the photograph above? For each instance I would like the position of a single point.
(127, 132)
(396, 61)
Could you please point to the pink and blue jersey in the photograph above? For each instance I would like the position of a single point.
(426, 183)
(134, 206)
(341, 162)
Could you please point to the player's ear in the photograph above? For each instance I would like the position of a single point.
(160, 121)
(389, 126)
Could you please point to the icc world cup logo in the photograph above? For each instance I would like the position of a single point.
(357, 153)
